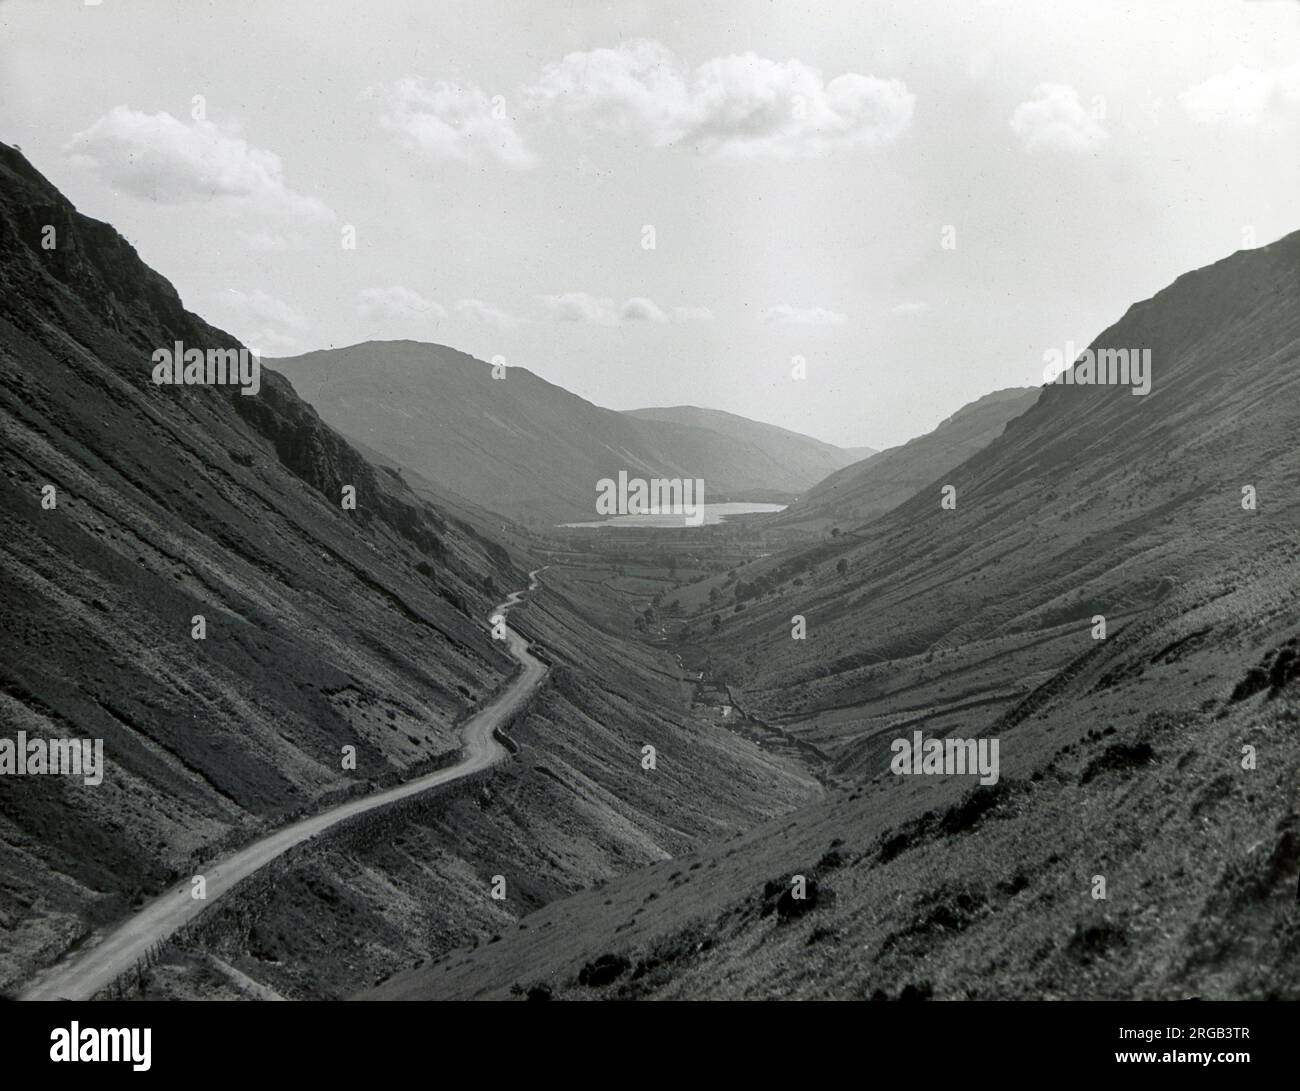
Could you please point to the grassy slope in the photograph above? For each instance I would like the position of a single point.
(1120, 758)
(866, 490)
(525, 447)
(324, 627)
(1092, 502)
(813, 459)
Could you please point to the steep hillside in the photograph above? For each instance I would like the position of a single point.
(865, 490)
(575, 808)
(1092, 502)
(788, 455)
(1160, 759)
(1128, 768)
(325, 627)
(525, 447)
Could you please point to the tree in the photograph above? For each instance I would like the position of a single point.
(716, 623)
(835, 532)
(841, 566)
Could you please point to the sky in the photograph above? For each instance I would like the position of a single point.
(674, 203)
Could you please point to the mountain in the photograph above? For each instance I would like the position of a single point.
(1092, 501)
(531, 450)
(324, 627)
(857, 454)
(1142, 839)
(789, 454)
(870, 488)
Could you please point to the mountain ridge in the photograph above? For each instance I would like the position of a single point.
(525, 447)
(1127, 749)
(178, 510)
(868, 489)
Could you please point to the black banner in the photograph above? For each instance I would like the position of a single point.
(337, 1040)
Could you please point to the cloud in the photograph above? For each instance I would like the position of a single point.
(785, 315)
(582, 307)
(913, 307)
(266, 341)
(159, 158)
(640, 309)
(451, 121)
(1245, 98)
(264, 306)
(1055, 119)
(263, 322)
(397, 302)
(475, 310)
(743, 105)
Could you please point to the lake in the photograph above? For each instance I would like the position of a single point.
(713, 513)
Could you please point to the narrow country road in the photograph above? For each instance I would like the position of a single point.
(94, 968)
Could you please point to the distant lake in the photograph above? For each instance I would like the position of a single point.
(713, 513)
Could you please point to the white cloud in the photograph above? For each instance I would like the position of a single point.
(159, 158)
(263, 322)
(740, 104)
(262, 305)
(1245, 97)
(1055, 119)
(640, 309)
(266, 341)
(911, 307)
(582, 307)
(475, 310)
(397, 302)
(785, 315)
(451, 121)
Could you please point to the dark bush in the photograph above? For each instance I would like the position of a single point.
(605, 969)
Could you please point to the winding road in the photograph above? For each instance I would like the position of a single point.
(83, 974)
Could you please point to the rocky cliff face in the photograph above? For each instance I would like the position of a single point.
(325, 627)
(131, 509)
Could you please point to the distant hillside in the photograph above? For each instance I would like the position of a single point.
(867, 489)
(1128, 755)
(796, 456)
(529, 449)
(324, 626)
(1092, 501)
